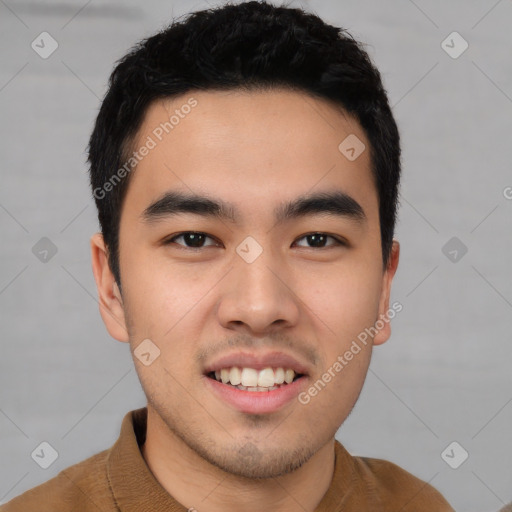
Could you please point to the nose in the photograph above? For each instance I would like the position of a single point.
(258, 297)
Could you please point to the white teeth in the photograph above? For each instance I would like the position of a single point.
(224, 375)
(235, 376)
(288, 376)
(266, 378)
(279, 376)
(250, 379)
(257, 388)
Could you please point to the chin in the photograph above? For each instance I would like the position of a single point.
(252, 463)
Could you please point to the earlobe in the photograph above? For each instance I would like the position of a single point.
(109, 296)
(383, 335)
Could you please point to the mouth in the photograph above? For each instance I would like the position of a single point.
(253, 380)
(256, 384)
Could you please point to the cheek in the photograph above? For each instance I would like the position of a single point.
(166, 303)
(160, 294)
(162, 306)
(345, 300)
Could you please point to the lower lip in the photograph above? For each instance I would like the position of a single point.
(256, 402)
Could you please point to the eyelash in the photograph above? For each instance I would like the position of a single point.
(169, 241)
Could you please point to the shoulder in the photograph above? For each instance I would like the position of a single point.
(394, 487)
(83, 486)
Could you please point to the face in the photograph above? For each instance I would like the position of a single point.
(285, 272)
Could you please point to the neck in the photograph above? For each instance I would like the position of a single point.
(199, 486)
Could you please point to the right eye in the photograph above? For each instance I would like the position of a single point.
(192, 240)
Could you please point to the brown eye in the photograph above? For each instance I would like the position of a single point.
(319, 240)
(191, 239)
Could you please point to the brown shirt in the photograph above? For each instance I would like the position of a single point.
(118, 479)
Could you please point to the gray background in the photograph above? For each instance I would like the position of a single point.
(445, 374)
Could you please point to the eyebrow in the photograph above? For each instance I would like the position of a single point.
(335, 203)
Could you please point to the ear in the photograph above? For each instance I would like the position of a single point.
(110, 299)
(384, 333)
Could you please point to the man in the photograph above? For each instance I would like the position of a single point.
(245, 165)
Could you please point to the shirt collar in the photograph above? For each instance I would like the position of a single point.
(133, 485)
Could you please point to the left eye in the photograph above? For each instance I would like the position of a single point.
(319, 240)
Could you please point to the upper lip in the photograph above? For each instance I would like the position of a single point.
(257, 361)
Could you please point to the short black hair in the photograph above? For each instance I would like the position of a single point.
(251, 46)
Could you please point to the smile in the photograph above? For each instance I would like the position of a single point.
(250, 379)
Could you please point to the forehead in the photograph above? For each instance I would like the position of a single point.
(250, 148)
